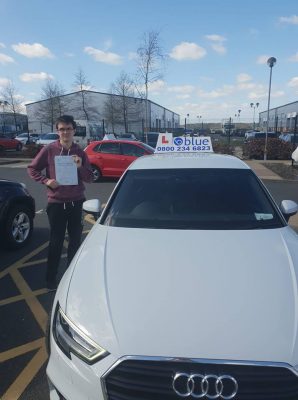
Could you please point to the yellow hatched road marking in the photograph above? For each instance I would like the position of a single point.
(36, 308)
(20, 350)
(28, 373)
(19, 385)
(19, 263)
(19, 297)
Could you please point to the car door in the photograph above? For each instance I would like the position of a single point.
(6, 143)
(130, 152)
(110, 158)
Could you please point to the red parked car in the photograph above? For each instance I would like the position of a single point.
(6, 143)
(112, 157)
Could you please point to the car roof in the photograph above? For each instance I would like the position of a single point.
(116, 141)
(188, 160)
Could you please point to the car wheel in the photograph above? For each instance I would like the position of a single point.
(96, 173)
(18, 227)
(19, 147)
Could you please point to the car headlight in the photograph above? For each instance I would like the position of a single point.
(71, 339)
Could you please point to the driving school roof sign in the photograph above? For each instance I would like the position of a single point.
(183, 144)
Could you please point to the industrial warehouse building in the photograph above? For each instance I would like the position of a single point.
(281, 119)
(98, 113)
(13, 123)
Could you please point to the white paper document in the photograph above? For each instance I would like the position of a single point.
(66, 170)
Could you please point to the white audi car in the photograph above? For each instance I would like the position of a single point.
(186, 287)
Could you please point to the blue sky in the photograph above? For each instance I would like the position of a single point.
(217, 50)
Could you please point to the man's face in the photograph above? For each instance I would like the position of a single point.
(65, 132)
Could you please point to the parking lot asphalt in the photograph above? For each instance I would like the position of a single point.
(25, 303)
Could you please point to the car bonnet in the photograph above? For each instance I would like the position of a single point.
(203, 294)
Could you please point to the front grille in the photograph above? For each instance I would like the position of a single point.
(152, 380)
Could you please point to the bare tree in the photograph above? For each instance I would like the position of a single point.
(110, 110)
(11, 100)
(150, 61)
(124, 104)
(52, 106)
(81, 82)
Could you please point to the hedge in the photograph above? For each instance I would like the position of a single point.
(276, 149)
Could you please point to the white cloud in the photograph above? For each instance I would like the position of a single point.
(187, 51)
(35, 50)
(4, 81)
(84, 87)
(182, 96)
(215, 38)
(226, 90)
(69, 54)
(4, 59)
(293, 20)
(156, 86)
(278, 93)
(262, 59)
(218, 45)
(259, 93)
(181, 89)
(39, 76)
(102, 56)
(246, 86)
(2, 45)
(219, 48)
(243, 78)
(294, 58)
(19, 97)
(293, 82)
(262, 93)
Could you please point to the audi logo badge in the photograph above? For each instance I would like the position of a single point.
(199, 386)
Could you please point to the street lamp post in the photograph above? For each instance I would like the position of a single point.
(237, 116)
(270, 62)
(185, 119)
(254, 106)
(200, 119)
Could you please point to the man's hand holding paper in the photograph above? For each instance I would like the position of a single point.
(66, 170)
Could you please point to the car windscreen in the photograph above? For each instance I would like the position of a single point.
(50, 136)
(211, 199)
(148, 148)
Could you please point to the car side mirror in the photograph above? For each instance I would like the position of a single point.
(92, 207)
(288, 208)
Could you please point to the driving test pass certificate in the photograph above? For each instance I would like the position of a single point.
(66, 170)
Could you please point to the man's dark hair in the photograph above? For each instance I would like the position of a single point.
(66, 119)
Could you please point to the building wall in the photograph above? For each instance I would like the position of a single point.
(95, 105)
(281, 118)
(9, 125)
(162, 118)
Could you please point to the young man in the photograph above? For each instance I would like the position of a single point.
(65, 199)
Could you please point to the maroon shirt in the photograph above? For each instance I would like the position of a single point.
(45, 161)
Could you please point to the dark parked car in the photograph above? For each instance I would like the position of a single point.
(260, 135)
(17, 211)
